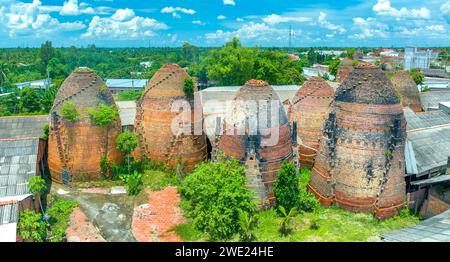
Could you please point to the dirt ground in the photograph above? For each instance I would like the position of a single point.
(81, 229)
(154, 221)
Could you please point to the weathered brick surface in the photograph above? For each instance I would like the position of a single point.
(360, 165)
(240, 146)
(407, 90)
(155, 221)
(157, 113)
(310, 106)
(78, 147)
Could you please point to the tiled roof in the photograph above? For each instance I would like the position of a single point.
(9, 213)
(431, 100)
(22, 127)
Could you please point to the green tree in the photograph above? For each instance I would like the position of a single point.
(31, 227)
(69, 112)
(127, 142)
(334, 66)
(29, 100)
(37, 187)
(47, 98)
(351, 52)
(3, 73)
(233, 64)
(46, 53)
(286, 187)
(216, 196)
(189, 87)
(104, 115)
(417, 76)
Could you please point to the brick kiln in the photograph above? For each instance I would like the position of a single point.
(344, 69)
(156, 113)
(75, 148)
(310, 107)
(359, 165)
(248, 138)
(407, 90)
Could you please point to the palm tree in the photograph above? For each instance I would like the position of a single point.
(285, 228)
(3, 73)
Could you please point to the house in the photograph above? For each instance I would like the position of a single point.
(37, 84)
(22, 156)
(427, 159)
(120, 85)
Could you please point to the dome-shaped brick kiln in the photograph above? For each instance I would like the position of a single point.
(76, 147)
(257, 133)
(407, 90)
(165, 134)
(310, 107)
(359, 165)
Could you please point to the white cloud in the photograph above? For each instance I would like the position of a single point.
(123, 14)
(229, 2)
(368, 28)
(445, 9)
(383, 7)
(70, 8)
(276, 19)
(198, 22)
(239, 19)
(221, 17)
(322, 21)
(123, 24)
(436, 28)
(261, 32)
(31, 19)
(176, 10)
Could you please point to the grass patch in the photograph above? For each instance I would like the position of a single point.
(157, 180)
(323, 225)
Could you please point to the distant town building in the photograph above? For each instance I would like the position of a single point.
(417, 59)
(331, 52)
(22, 156)
(36, 84)
(317, 70)
(119, 85)
(146, 64)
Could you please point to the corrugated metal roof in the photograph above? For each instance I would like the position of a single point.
(430, 100)
(425, 120)
(127, 112)
(9, 214)
(22, 127)
(126, 83)
(410, 159)
(18, 162)
(431, 147)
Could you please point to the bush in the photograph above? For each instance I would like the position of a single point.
(37, 185)
(59, 219)
(69, 112)
(215, 196)
(127, 142)
(45, 131)
(104, 115)
(286, 186)
(189, 87)
(31, 227)
(129, 95)
(133, 183)
(307, 201)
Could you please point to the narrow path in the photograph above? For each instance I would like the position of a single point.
(154, 221)
(111, 214)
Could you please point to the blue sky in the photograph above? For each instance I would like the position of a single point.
(130, 23)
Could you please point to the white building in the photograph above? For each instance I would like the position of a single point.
(417, 59)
